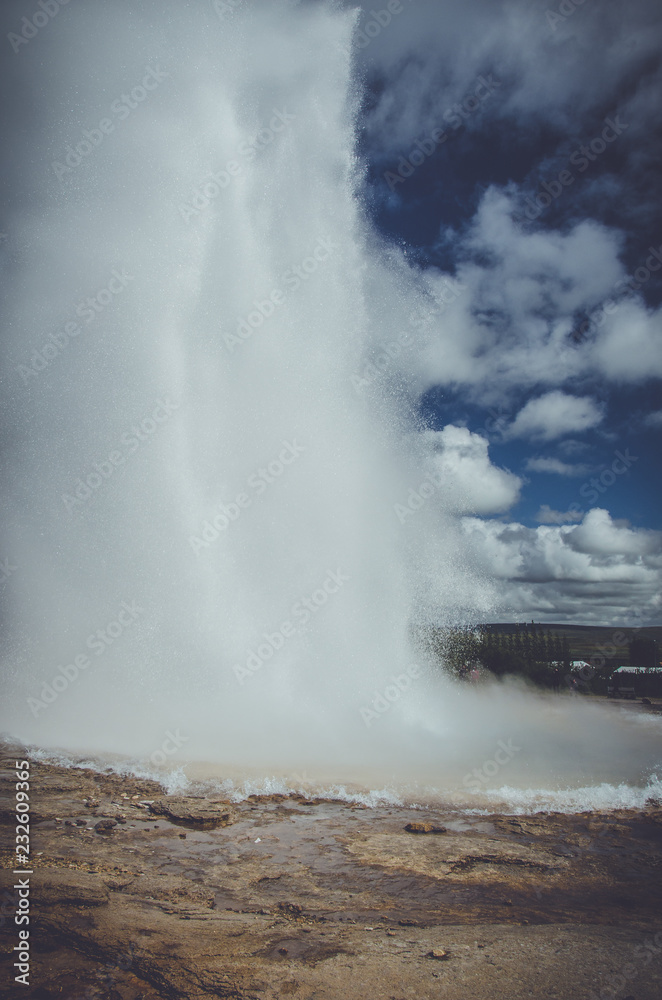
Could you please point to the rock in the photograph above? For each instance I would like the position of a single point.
(408, 923)
(56, 887)
(105, 825)
(424, 828)
(197, 813)
(92, 803)
(441, 956)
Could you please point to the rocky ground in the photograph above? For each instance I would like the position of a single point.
(140, 895)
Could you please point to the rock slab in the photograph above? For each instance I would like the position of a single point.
(200, 814)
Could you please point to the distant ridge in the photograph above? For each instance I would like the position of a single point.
(585, 641)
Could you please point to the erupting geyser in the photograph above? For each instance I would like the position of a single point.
(207, 566)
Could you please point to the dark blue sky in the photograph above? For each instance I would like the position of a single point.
(428, 213)
(511, 156)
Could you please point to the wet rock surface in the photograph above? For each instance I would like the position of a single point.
(424, 828)
(56, 887)
(311, 898)
(197, 813)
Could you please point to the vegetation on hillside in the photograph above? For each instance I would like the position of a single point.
(543, 655)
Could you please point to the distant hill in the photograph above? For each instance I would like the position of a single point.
(587, 641)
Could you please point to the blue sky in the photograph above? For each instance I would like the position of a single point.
(515, 146)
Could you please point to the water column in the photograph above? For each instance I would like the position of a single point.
(197, 452)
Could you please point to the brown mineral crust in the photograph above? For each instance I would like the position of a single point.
(324, 901)
(55, 887)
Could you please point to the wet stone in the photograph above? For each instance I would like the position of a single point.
(424, 828)
(197, 813)
(105, 825)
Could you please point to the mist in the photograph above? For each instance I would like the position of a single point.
(203, 477)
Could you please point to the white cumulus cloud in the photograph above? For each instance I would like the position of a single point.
(547, 515)
(556, 467)
(630, 346)
(469, 482)
(506, 318)
(598, 571)
(554, 415)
